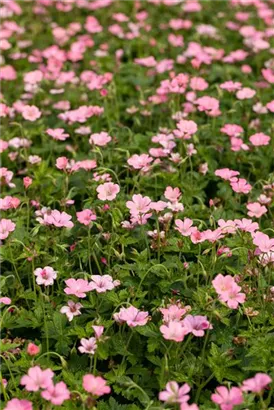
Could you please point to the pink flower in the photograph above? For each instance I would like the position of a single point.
(57, 134)
(231, 86)
(173, 195)
(88, 345)
(107, 191)
(264, 243)
(228, 291)
(77, 287)
(86, 216)
(240, 185)
(132, 316)
(173, 313)
(6, 177)
(98, 330)
(101, 139)
(32, 349)
(185, 227)
(97, 386)
(45, 276)
(174, 393)
(198, 84)
(5, 300)
(256, 209)
(257, 383)
(208, 104)
(196, 325)
(6, 227)
(139, 204)
(227, 399)
(226, 173)
(173, 331)
(56, 394)
(246, 225)
(71, 310)
(27, 181)
(245, 93)
(3, 145)
(185, 129)
(232, 130)
(31, 113)
(140, 162)
(259, 139)
(103, 283)
(16, 404)
(37, 379)
(58, 219)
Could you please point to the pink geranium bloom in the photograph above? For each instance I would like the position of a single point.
(33, 349)
(71, 310)
(31, 113)
(208, 104)
(86, 216)
(103, 283)
(58, 219)
(240, 185)
(45, 276)
(3, 144)
(198, 84)
(227, 226)
(228, 291)
(98, 330)
(173, 313)
(187, 406)
(259, 139)
(140, 161)
(223, 283)
(246, 225)
(232, 130)
(6, 227)
(270, 106)
(231, 86)
(264, 243)
(17, 404)
(97, 386)
(226, 173)
(77, 287)
(185, 129)
(6, 177)
(196, 325)
(101, 139)
(5, 300)
(245, 93)
(174, 393)
(56, 394)
(257, 383)
(107, 191)
(158, 206)
(132, 316)
(227, 399)
(139, 204)
(88, 346)
(174, 330)
(37, 379)
(185, 227)
(57, 134)
(255, 209)
(172, 194)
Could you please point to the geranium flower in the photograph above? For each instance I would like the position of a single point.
(101, 139)
(77, 287)
(45, 276)
(132, 316)
(6, 227)
(255, 209)
(174, 330)
(71, 310)
(97, 386)
(56, 394)
(103, 283)
(88, 345)
(174, 393)
(108, 191)
(31, 113)
(17, 404)
(227, 399)
(37, 379)
(86, 216)
(196, 325)
(257, 383)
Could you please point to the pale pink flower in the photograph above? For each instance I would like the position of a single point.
(208, 104)
(45, 276)
(173, 330)
(58, 219)
(88, 346)
(3, 145)
(227, 226)
(227, 399)
(228, 291)
(9, 202)
(259, 139)
(196, 325)
(56, 394)
(103, 283)
(245, 93)
(5, 300)
(6, 177)
(101, 139)
(32, 349)
(174, 393)
(107, 191)
(77, 287)
(240, 185)
(231, 86)
(33, 77)
(98, 330)
(270, 106)
(255, 209)
(172, 194)
(198, 84)
(185, 227)
(97, 386)
(17, 404)
(86, 216)
(264, 243)
(173, 313)
(6, 227)
(139, 204)
(246, 225)
(37, 379)
(27, 181)
(57, 134)
(132, 316)
(31, 113)
(187, 406)
(257, 383)
(185, 129)
(232, 130)
(140, 161)
(71, 310)
(226, 173)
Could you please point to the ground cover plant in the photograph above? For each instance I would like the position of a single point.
(137, 241)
